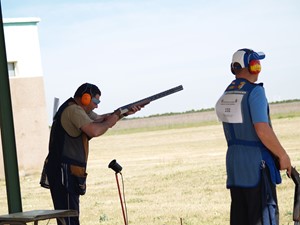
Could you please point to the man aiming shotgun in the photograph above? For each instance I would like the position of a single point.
(74, 124)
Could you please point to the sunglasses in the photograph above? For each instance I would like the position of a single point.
(96, 101)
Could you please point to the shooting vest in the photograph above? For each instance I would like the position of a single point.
(245, 152)
(67, 155)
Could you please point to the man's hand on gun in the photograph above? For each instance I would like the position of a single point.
(131, 110)
(112, 118)
(134, 109)
(285, 164)
(136, 106)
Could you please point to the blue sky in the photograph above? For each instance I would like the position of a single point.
(132, 49)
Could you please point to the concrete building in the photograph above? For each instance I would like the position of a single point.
(27, 94)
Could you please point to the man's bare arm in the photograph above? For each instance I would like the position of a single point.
(103, 122)
(270, 140)
(95, 129)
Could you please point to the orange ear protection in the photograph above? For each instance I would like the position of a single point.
(254, 67)
(86, 98)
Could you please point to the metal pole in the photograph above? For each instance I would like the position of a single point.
(121, 201)
(7, 132)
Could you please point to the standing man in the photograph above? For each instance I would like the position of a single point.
(254, 155)
(73, 126)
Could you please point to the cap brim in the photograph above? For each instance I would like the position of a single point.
(258, 55)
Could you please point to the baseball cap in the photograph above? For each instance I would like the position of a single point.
(245, 55)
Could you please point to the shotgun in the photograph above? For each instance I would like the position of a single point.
(124, 109)
(296, 211)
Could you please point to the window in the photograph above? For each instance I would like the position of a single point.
(11, 69)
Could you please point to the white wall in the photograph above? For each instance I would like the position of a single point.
(22, 45)
(27, 94)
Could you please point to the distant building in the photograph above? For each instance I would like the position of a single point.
(27, 93)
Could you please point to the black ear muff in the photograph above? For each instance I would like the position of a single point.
(235, 66)
(231, 68)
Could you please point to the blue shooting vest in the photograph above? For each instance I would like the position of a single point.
(245, 152)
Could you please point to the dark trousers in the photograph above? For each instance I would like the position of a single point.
(246, 205)
(63, 199)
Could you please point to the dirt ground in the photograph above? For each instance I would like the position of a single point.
(168, 174)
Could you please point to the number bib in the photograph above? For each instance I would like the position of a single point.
(229, 107)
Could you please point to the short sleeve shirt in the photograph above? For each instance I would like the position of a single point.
(258, 105)
(73, 118)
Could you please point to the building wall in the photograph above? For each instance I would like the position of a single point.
(27, 94)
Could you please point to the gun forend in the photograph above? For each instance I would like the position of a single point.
(124, 109)
(296, 210)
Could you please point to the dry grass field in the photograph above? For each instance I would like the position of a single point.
(173, 170)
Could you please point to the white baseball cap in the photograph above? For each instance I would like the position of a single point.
(245, 55)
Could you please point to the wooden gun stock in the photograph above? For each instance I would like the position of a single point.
(296, 211)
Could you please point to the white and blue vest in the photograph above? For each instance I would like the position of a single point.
(245, 152)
